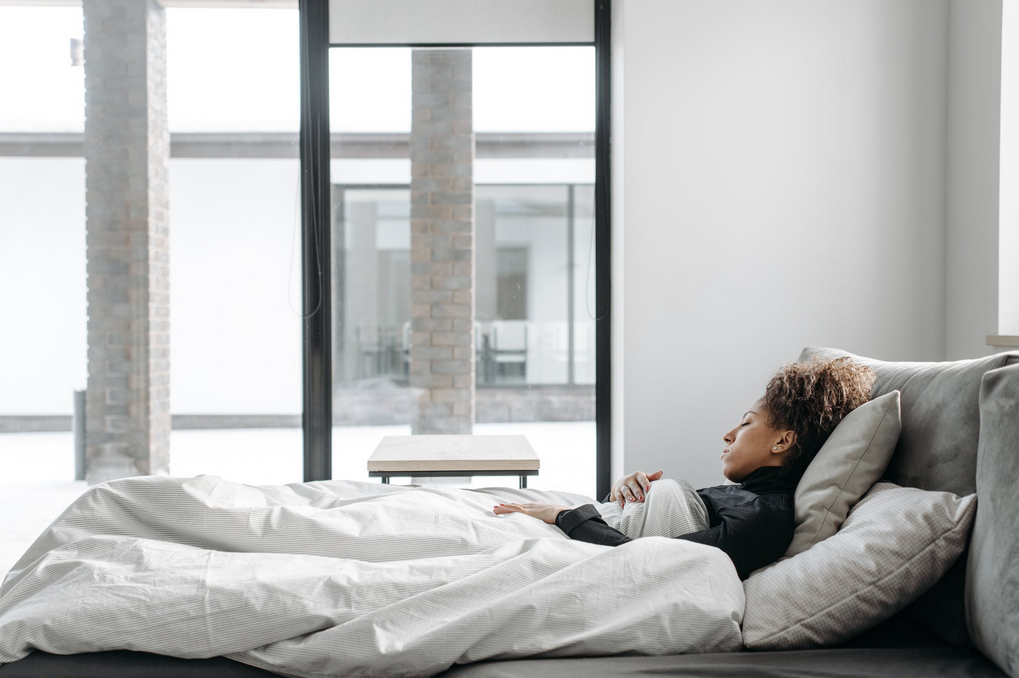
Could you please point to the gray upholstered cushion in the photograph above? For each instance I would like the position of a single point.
(847, 465)
(937, 449)
(896, 542)
(992, 586)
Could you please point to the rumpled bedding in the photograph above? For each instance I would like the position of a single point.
(344, 578)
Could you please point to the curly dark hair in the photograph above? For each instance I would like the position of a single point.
(811, 399)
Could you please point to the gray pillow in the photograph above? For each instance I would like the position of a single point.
(992, 585)
(848, 464)
(895, 544)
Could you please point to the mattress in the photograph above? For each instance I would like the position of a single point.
(832, 663)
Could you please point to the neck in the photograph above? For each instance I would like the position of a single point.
(768, 480)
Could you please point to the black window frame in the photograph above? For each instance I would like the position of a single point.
(316, 246)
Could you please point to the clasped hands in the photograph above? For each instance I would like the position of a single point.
(630, 488)
(633, 487)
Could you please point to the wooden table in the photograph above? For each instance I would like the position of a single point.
(463, 455)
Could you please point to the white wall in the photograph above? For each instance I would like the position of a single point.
(784, 186)
(971, 265)
(235, 300)
(1008, 195)
(235, 340)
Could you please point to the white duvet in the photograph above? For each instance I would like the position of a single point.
(353, 579)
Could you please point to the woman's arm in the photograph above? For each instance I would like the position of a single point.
(544, 512)
(752, 535)
(628, 488)
(585, 523)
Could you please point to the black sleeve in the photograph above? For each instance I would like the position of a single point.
(752, 536)
(584, 523)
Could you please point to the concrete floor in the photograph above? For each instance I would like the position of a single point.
(38, 468)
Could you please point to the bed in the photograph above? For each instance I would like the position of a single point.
(959, 434)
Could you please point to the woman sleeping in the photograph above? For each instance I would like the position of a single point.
(765, 455)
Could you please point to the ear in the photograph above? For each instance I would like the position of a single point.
(785, 443)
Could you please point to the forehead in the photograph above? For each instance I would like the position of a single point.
(757, 407)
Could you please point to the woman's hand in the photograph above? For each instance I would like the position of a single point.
(633, 487)
(543, 512)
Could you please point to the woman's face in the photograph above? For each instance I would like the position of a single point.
(754, 443)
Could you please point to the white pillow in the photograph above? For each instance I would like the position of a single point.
(852, 459)
(895, 544)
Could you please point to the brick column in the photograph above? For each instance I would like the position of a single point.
(127, 150)
(442, 241)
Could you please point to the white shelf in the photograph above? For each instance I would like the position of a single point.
(1003, 340)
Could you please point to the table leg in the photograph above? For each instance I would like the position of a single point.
(523, 482)
(385, 480)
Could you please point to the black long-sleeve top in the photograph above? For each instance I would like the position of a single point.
(752, 522)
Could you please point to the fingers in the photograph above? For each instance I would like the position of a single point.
(644, 480)
(626, 493)
(630, 492)
(509, 508)
(633, 487)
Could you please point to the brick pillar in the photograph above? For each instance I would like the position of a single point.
(127, 150)
(442, 241)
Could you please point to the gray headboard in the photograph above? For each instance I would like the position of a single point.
(938, 449)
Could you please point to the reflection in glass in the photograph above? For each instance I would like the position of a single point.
(532, 304)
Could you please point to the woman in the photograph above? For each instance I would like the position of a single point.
(766, 454)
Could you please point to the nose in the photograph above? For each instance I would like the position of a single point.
(728, 437)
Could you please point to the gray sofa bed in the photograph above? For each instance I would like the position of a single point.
(960, 433)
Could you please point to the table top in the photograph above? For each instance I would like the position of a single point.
(453, 453)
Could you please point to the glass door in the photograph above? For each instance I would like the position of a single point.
(463, 251)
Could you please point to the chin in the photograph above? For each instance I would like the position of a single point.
(734, 476)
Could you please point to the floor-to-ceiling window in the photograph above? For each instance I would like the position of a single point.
(235, 266)
(42, 266)
(149, 249)
(463, 295)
